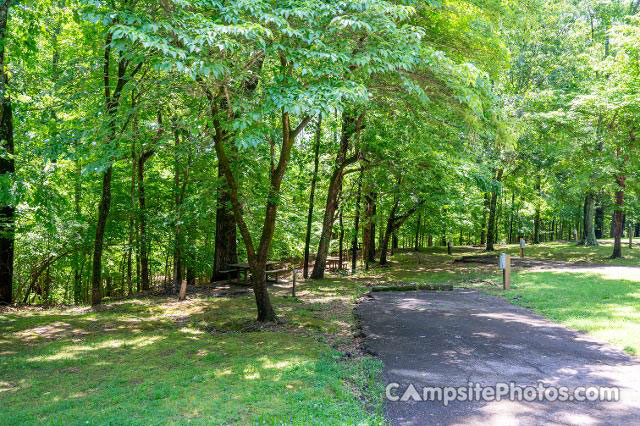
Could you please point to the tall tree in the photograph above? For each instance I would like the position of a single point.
(7, 166)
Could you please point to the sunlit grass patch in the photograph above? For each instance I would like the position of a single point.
(204, 361)
(604, 308)
(571, 252)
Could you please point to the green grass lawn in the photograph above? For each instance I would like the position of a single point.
(604, 308)
(570, 252)
(204, 361)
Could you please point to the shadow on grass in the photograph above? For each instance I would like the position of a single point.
(606, 308)
(159, 363)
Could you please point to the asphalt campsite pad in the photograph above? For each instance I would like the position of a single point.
(451, 339)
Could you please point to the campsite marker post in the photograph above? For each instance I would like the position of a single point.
(522, 244)
(505, 265)
(293, 289)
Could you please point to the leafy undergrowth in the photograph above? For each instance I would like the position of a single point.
(202, 361)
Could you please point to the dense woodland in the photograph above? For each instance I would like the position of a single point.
(146, 145)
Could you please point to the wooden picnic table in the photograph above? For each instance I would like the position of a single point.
(333, 263)
(244, 268)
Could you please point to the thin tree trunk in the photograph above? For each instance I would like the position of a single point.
(112, 103)
(354, 254)
(491, 236)
(416, 245)
(589, 238)
(599, 221)
(340, 238)
(350, 126)
(513, 201)
(258, 258)
(78, 254)
(144, 253)
(226, 251)
(617, 245)
(485, 208)
(393, 223)
(7, 168)
(387, 235)
(369, 233)
(314, 180)
(131, 219)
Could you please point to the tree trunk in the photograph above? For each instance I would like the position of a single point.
(144, 253)
(369, 232)
(131, 220)
(416, 245)
(599, 222)
(393, 223)
(103, 213)
(225, 246)
(354, 246)
(384, 247)
(314, 180)
(491, 226)
(589, 238)
(78, 254)
(350, 126)
(618, 225)
(191, 274)
(340, 237)
(485, 208)
(112, 103)
(258, 258)
(513, 201)
(394, 243)
(7, 168)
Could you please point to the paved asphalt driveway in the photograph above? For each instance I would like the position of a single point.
(453, 338)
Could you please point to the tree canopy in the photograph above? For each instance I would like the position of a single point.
(149, 145)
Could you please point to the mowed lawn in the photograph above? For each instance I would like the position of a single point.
(569, 251)
(203, 361)
(605, 308)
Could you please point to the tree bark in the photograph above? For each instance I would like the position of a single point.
(599, 221)
(350, 126)
(589, 238)
(485, 208)
(369, 231)
(7, 167)
(144, 253)
(511, 216)
(79, 254)
(394, 222)
(112, 103)
(340, 237)
(132, 214)
(226, 251)
(384, 247)
(354, 246)
(618, 226)
(416, 244)
(314, 180)
(257, 258)
(491, 226)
